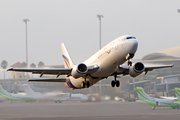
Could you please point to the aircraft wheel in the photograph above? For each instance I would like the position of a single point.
(113, 83)
(83, 84)
(130, 63)
(117, 83)
(87, 84)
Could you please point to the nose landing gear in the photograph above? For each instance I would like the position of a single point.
(129, 63)
(129, 57)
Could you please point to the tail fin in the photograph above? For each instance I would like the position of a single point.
(2, 91)
(67, 59)
(28, 90)
(142, 95)
(177, 92)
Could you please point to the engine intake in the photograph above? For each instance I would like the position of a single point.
(136, 69)
(79, 70)
(82, 68)
(139, 67)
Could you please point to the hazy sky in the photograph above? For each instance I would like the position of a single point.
(155, 23)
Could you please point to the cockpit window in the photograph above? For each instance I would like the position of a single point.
(130, 38)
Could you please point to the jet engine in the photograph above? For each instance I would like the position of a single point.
(136, 69)
(79, 70)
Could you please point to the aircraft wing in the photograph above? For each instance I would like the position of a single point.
(56, 71)
(125, 69)
(150, 68)
(48, 80)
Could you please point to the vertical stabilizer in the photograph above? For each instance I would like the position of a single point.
(177, 92)
(28, 90)
(141, 94)
(66, 58)
(2, 91)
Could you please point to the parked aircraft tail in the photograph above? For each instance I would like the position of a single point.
(28, 90)
(2, 91)
(141, 93)
(66, 58)
(7, 95)
(177, 92)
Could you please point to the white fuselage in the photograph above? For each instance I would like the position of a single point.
(108, 59)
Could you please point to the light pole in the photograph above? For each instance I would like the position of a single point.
(26, 20)
(99, 17)
(178, 10)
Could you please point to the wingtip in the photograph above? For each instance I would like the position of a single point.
(10, 69)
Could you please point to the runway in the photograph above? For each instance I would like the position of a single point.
(105, 110)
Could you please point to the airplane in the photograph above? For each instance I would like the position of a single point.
(56, 97)
(155, 102)
(14, 97)
(104, 63)
(177, 92)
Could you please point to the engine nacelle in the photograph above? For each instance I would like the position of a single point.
(136, 69)
(79, 70)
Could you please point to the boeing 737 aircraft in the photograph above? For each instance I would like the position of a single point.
(56, 97)
(155, 102)
(106, 62)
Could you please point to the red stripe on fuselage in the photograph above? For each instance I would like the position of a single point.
(68, 83)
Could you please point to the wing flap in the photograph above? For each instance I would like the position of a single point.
(56, 71)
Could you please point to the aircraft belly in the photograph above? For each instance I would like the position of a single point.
(108, 67)
(77, 83)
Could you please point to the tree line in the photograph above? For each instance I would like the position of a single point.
(4, 65)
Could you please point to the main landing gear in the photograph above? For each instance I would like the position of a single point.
(115, 82)
(85, 83)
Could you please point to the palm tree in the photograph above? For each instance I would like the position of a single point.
(4, 65)
(23, 65)
(40, 64)
(32, 65)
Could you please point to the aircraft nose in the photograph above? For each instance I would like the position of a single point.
(131, 46)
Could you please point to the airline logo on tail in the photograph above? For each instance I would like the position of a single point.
(141, 93)
(66, 61)
(177, 92)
